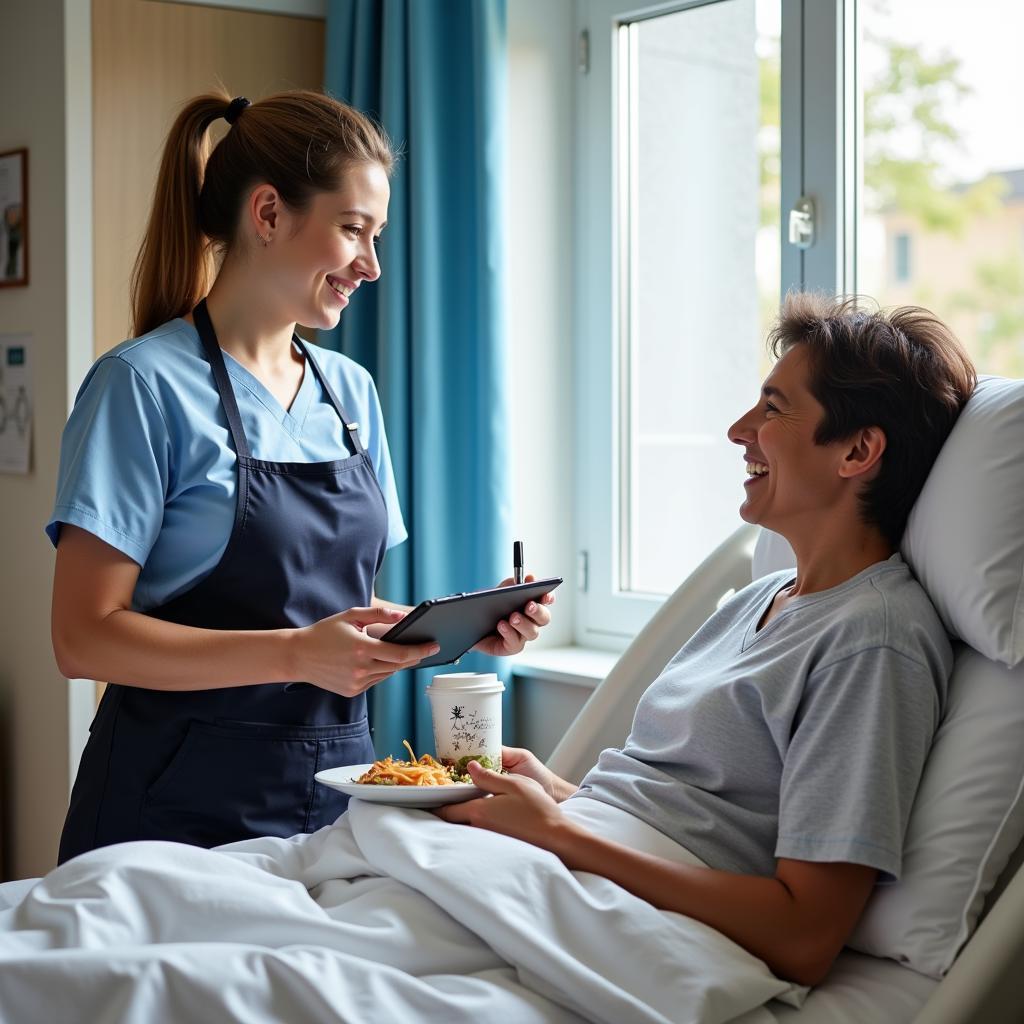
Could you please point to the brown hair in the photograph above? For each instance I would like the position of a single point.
(300, 142)
(901, 370)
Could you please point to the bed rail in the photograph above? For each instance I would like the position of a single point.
(986, 982)
(606, 718)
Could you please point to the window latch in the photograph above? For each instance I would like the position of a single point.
(801, 223)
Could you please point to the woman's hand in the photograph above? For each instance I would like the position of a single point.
(517, 807)
(378, 629)
(517, 761)
(339, 654)
(511, 636)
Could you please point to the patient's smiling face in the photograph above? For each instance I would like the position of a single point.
(792, 482)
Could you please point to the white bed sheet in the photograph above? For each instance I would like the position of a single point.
(861, 989)
(391, 914)
(14, 892)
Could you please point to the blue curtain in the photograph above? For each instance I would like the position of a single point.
(431, 330)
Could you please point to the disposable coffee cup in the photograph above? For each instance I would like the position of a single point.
(466, 711)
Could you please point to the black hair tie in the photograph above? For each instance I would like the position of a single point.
(235, 107)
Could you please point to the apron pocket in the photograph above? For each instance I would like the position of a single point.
(239, 780)
(336, 752)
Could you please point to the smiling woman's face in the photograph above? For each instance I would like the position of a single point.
(791, 481)
(332, 250)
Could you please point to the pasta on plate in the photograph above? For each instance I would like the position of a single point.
(426, 771)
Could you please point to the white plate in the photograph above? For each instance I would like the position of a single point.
(411, 796)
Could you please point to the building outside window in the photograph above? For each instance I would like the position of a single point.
(943, 165)
(901, 257)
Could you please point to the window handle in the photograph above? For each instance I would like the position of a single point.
(801, 223)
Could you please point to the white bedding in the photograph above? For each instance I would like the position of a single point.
(391, 914)
(861, 989)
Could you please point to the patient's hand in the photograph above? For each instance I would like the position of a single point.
(517, 806)
(518, 761)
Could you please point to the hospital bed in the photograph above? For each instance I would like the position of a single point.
(271, 931)
(965, 542)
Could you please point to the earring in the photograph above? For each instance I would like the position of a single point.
(265, 241)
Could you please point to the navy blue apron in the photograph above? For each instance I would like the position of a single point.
(214, 766)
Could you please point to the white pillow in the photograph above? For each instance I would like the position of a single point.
(967, 819)
(965, 536)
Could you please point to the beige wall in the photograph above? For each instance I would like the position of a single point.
(33, 695)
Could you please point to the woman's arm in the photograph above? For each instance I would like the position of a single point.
(796, 922)
(96, 635)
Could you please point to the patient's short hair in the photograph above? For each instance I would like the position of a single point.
(901, 370)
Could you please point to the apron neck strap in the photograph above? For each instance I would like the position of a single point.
(351, 427)
(208, 336)
(220, 375)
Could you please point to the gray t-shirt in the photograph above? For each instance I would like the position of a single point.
(805, 739)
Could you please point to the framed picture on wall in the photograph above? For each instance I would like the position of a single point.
(13, 218)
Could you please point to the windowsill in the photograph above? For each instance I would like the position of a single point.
(575, 666)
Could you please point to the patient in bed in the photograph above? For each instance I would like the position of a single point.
(784, 743)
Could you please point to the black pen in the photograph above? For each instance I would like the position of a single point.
(517, 561)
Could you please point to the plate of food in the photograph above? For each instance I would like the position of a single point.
(418, 782)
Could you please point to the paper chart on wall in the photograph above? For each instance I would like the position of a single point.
(16, 399)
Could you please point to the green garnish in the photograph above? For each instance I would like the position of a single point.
(460, 767)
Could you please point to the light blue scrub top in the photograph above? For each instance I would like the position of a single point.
(147, 463)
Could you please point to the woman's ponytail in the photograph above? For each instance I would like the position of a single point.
(175, 265)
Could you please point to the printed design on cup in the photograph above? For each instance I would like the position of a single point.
(469, 731)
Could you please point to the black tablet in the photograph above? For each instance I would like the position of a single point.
(461, 620)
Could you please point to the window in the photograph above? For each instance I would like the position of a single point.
(690, 157)
(702, 124)
(943, 165)
(697, 268)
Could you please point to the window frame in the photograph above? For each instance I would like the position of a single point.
(818, 96)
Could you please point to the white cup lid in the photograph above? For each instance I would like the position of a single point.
(466, 682)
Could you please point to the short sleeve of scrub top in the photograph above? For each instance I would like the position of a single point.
(147, 464)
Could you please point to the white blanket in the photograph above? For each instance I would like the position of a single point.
(389, 915)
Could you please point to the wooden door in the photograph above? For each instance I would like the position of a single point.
(148, 58)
